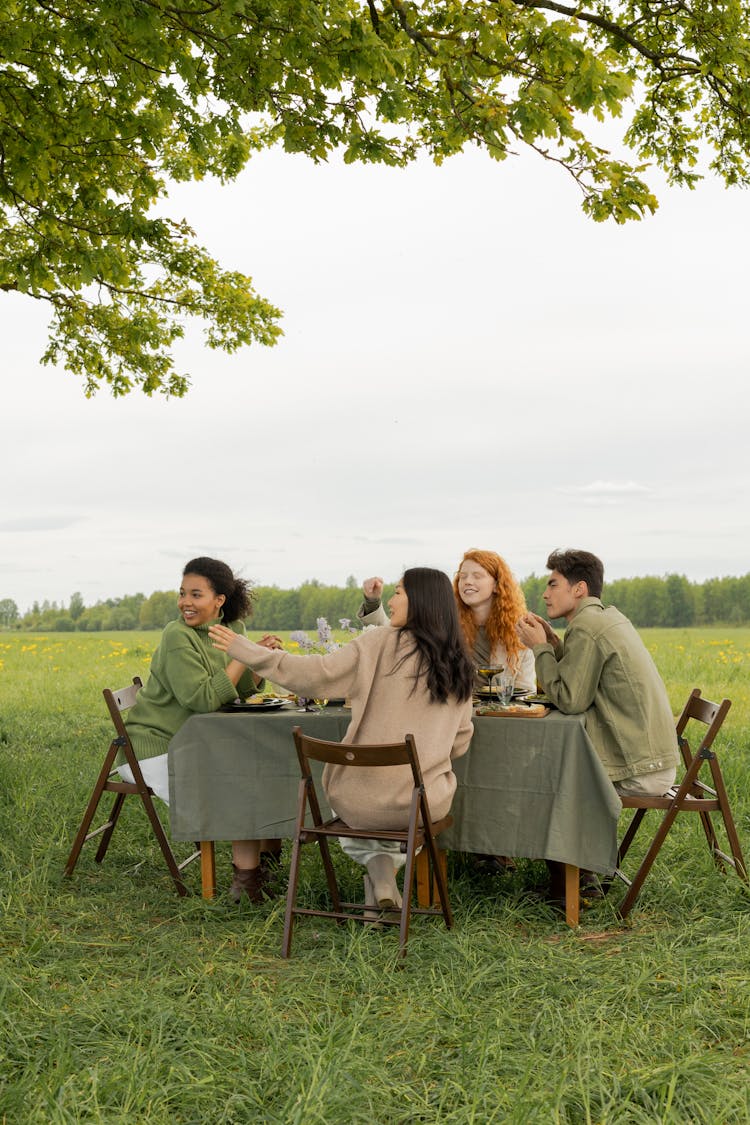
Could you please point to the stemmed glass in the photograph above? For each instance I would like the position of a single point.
(489, 671)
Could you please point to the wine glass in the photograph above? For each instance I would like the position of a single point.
(503, 685)
(488, 672)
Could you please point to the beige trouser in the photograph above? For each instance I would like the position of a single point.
(653, 784)
(363, 850)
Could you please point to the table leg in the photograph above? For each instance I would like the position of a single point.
(208, 869)
(572, 894)
(427, 895)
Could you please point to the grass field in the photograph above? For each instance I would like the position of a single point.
(120, 1002)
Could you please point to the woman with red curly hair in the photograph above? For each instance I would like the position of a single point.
(489, 602)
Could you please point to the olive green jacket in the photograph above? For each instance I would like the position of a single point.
(602, 669)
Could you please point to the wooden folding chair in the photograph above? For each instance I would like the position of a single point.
(421, 832)
(109, 781)
(691, 795)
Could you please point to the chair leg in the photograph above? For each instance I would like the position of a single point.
(91, 808)
(708, 824)
(698, 792)
(291, 898)
(640, 876)
(114, 816)
(333, 886)
(166, 850)
(80, 839)
(439, 866)
(629, 836)
(407, 893)
(729, 826)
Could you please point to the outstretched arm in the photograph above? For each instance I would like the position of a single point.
(329, 675)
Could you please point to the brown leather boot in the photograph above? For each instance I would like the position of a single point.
(270, 861)
(495, 864)
(253, 881)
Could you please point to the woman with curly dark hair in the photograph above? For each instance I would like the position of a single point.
(189, 677)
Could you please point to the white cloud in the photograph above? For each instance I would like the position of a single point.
(37, 523)
(608, 492)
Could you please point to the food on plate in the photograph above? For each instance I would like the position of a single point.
(532, 710)
(525, 709)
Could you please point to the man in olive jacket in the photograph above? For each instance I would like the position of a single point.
(603, 670)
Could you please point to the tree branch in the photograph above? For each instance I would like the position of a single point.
(416, 36)
(610, 26)
(374, 17)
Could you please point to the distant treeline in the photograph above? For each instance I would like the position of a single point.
(670, 601)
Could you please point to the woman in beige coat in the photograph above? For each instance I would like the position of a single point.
(414, 678)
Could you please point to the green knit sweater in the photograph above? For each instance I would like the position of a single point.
(187, 677)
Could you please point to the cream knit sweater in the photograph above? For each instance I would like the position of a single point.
(384, 709)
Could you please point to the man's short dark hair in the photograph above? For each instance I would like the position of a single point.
(579, 566)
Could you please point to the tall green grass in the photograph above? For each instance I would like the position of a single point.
(120, 1002)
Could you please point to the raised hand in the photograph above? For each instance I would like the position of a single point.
(372, 588)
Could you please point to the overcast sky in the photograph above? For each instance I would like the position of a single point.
(467, 361)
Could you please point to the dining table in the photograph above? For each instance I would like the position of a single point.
(527, 787)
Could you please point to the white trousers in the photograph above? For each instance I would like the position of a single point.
(155, 775)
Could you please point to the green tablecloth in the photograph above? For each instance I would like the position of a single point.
(527, 787)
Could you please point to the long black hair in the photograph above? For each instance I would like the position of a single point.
(432, 623)
(238, 594)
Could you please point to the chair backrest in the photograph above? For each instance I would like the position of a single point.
(121, 700)
(344, 754)
(712, 715)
